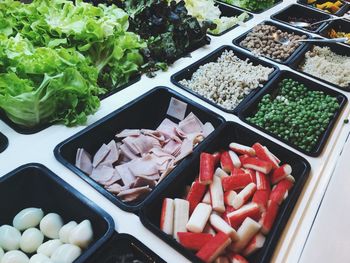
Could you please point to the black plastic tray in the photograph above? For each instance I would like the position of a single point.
(25, 130)
(340, 12)
(336, 48)
(339, 25)
(251, 108)
(4, 142)
(150, 213)
(237, 41)
(121, 244)
(147, 111)
(255, 12)
(230, 11)
(301, 11)
(33, 185)
(187, 73)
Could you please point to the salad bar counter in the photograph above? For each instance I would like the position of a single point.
(169, 131)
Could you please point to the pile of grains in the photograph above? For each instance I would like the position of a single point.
(228, 81)
(261, 41)
(322, 63)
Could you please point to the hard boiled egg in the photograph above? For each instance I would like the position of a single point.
(50, 225)
(27, 218)
(9, 237)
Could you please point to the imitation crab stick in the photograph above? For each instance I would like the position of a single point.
(220, 225)
(193, 241)
(264, 154)
(213, 248)
(262, 181)
(217, 195)
(195, 194)
(244, 195)
(237, 258)
(257, 164)
(220, 173)
(235, 159)
(268, 217)
(216, 156)
(206, 168)
(236, 182)
(261, 197)
(229, 196)
(226, 162)
(280, 191)
(254, 244)
(167, 216)
(181, 214)
(199, 218)
(246, 232)
(242, 149)
(236, 218)
(281, 173)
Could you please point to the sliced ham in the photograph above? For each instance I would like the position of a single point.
(83, 161)
(127, 177)
(177, 109)
(172, 147)
(167, 128)
(141, 144)
(208, 128)
(102, 174)
(141, 181)
(115, 178)
(191, 124)
(115, 188)
(100, 155)
(128, 132)
(126, 153)
(155, 134)
(144, 166)
(113, 154)
(133, 194)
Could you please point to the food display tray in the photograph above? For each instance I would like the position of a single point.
(339, 25)
(231, 132)
(340, 12)
(251, 108)
(4, 142)
(237, 41)
(34, 185)
(187, 73)
(301, 11)
(334, 47)
(146, 112)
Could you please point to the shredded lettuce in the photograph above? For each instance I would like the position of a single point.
(252, 5)
(58, 56)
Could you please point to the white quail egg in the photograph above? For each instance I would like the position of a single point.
(39, 258)
(82, 234)
(9, 237)
(49, 247)
(31, 239)
(15, 256)
(66, 230)
(50, 225)
(66, 253)
(27, 218)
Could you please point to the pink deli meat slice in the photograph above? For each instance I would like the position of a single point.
(116, 188)
(83, 161)
(167, 128)
(172, 147)
(141, 144)
(208, 128)
(141, 181)
(133, 194)
(177, 109)
(155, 134)
(100, 155)
(127, 177)
(102, 174)
(128, 132)
(113, 154)
(144, 166)
(115, 178)
(191, 124)
(126, 153)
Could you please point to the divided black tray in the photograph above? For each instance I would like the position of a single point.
(123, 244)
(300, 11)
(255, 12)
(340, 12)
(237, 41)
(187, 73)
(33, 185)
(336, 48)
(150, 213)
(147, 112)
(230, 11)
(4, 142)
(338, 25)
(251, 108)
(26, 130)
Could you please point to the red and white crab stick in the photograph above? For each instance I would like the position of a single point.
(193, 241)
(254, 244)
(257, 164)
(199, 218)
(212, 249)
(280, 173)
(236, 182)
(217, 195)
(242, 149)
(246, 232)
(236, 218)
(206, 168)
(244, 195)
(264, 154)
(220, 225)
(181, 214)
(195, 195)
(167, 216)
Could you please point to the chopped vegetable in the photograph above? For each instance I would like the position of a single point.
(255, 5)
(296, 114)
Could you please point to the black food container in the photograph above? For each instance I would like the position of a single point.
(251, 108)
(33, 185)
(343, 9)
(342, 25)
(146, 112)
(231, 132)
(4, 142)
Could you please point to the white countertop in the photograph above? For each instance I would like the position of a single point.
(39, 148)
